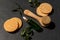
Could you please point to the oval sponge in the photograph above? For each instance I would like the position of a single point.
(10, 25)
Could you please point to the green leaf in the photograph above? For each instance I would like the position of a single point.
(28, 38)
(30, 0)
(20, 9)
(19, 6)
(15, 10)
(26, 33)
(21, 13)
(34, 4)
(23, 33)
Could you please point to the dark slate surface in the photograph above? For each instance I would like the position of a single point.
(5, 13)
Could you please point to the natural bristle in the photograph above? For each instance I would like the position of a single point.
(46, 20)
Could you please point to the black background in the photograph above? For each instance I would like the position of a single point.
(5, 13)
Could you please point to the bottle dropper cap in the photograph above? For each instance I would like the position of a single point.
(25, 18)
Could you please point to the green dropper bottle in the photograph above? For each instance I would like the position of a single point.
(33, 24)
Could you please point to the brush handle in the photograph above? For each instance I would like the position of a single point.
(31, 14)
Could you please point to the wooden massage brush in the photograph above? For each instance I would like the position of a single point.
(42, 20)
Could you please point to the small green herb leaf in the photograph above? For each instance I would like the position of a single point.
(23, 33)
(20, 13)
(30, 0)
(15, 10)
(26, 33)
(27, 37)
(34, 3)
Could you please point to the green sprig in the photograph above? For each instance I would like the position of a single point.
(34, 3)
(26, 33)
